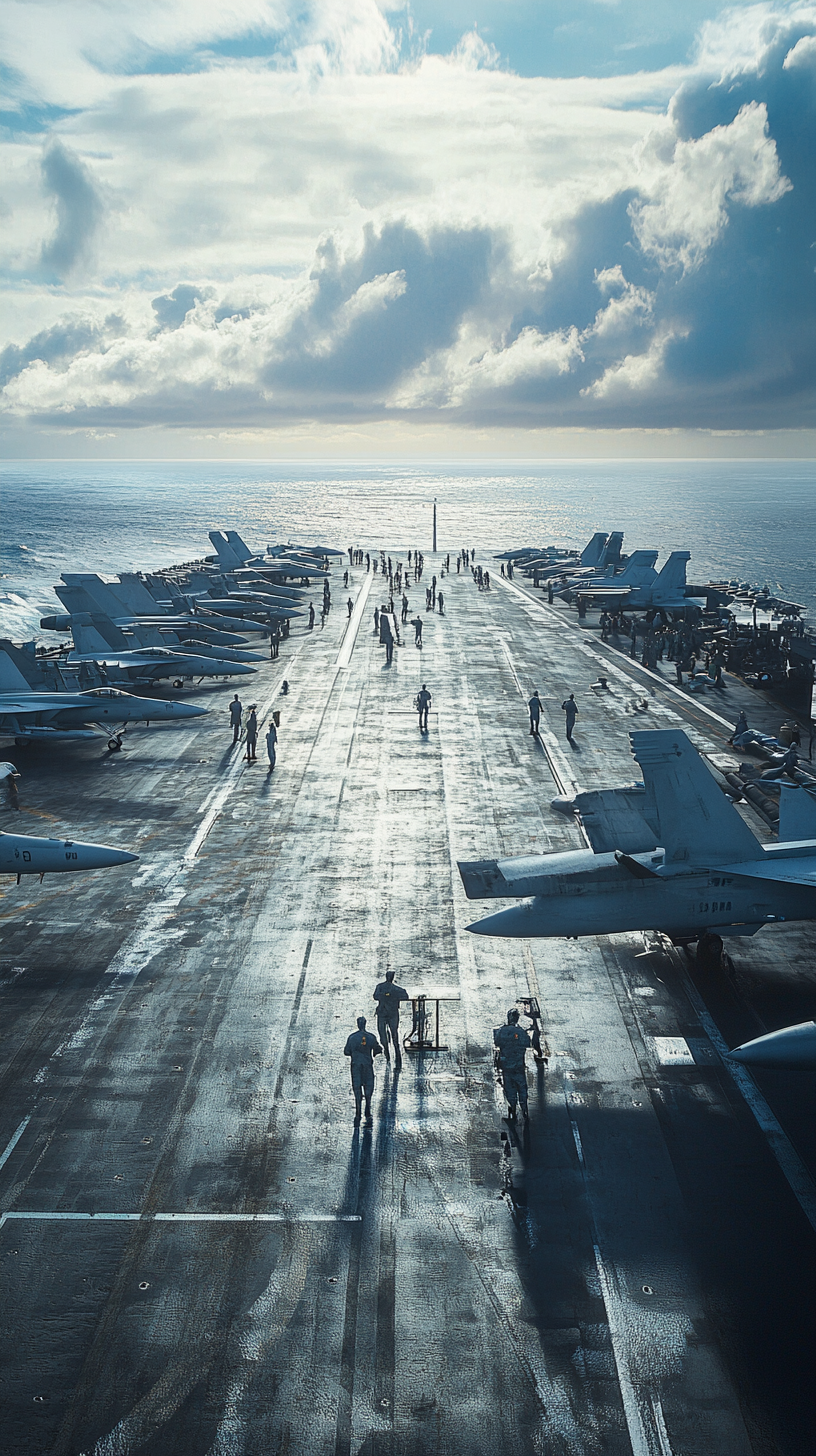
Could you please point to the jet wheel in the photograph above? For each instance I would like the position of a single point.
(178, 683)
(114, 744)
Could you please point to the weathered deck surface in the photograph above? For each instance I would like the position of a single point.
(233, 1267)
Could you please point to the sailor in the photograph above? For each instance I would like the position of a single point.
(311, 615)
(235, 711)
(441, 603)
(10, 779)
(251, 733)
(362, 1046)
(350, 606)
(376, 621)
(571, 713)
(741, 726)
(423, 703)
(416, 623)
(534, 706)
(272, 743)
(511, 1042)
(387, 636)
(388, 998)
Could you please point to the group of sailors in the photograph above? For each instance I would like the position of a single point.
(511, 1043)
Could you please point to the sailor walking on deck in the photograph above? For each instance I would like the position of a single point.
(423, 703)
(534, 706)
(236, 709)
(389, 998)
(362, 1046)
(251, 733)
(511, 1043)
(272, 743)
(570, 708)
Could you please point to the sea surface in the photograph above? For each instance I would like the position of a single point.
(751, 520)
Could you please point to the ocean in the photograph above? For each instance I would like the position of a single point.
(753, 520)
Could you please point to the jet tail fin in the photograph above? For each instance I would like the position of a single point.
(639, 570)
(593, 551)
(98, 635)
(231, 549)
(612, 549)
(15, 674)
(673, 573)
(797, 811)
(694, 820)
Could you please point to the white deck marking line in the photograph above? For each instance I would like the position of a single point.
(599, 656)
(44, 1217)
(560, 767)
(639, 1437)
(13, 1141)
(353, 626)
(216, 800)
(801, 1184)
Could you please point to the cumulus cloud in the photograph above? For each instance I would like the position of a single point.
(334, 231)
(70, 185)
(687, 201)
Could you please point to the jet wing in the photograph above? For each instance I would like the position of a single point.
(621, 819)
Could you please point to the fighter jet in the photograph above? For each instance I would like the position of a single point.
(667, 590)
(792, 1049)
(233, 552)
(98, 640)
(638, 572)
(21, 854)
(704, 871)
(30, 716)
(601, 552)
(126, 602)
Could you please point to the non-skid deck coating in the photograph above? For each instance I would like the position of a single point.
(236, 1268)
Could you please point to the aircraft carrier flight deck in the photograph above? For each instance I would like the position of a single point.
(203, 1254)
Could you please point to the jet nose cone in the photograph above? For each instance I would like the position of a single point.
(98, 856)
(790, 1048)
(185, 710)
(514, 924)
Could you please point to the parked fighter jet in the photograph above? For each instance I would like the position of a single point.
(601, 551)
(87, 592)
(30, 716)
(705, 870)
(22, 854)
(294, 561)
(98, 640)
(792, 1049)
(667, 590)
(639, 571)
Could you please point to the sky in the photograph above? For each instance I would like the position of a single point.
(557, 227)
